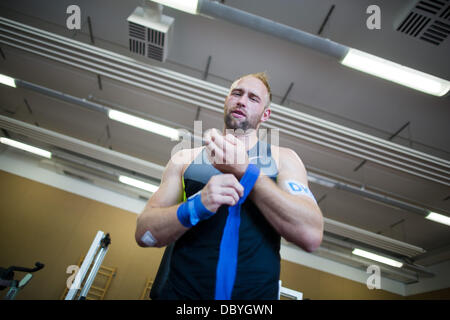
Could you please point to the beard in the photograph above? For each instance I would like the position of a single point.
(240, 123)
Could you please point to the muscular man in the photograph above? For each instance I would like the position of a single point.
(279, 204)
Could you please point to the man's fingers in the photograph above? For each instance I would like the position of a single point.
(227, 142)
(215, 153)
(223, 142)
(232, 139)
(229, 180)
(213, 135)
(217, 138)
(227, 200)
(228, 191)
(207, 134)
(227, 152)
(216, 200)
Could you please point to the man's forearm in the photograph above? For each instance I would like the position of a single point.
(162, 223)
(296, 219)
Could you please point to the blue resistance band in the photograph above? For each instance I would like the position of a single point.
(192, 211)
(228, 254)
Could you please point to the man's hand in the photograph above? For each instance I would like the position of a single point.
(222, 189)
(226, 153)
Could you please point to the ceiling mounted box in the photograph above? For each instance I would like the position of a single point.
(150, 32)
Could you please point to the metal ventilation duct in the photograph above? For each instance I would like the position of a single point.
(281, 31)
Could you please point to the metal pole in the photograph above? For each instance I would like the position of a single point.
(245, 19)
(84, 266)
(98, 262)
(62, 96)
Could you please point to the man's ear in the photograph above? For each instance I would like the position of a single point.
(266, 114)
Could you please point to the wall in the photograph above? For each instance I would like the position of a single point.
(43, 223)
(55, 227)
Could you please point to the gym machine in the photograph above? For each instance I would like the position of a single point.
(7, 279)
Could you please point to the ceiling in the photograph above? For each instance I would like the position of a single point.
(321, 87)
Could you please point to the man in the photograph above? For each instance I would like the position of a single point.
(279, 204)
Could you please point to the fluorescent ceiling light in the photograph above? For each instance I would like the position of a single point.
(395, 72)
(26, 147)
(138, 184)
(373, 256)
(436, 217)
(7, 81)
(189, 6)
(144, 124)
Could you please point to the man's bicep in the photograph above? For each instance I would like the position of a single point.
(292, 176)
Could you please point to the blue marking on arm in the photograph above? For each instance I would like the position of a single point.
(296, 188)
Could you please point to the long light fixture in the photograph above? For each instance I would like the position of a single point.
(138, 184)
(395, 72)
(7, 81)
(144, 124)
(436, 217)
(189, 6)
(26, 147)
(112, 114)
(376, 257)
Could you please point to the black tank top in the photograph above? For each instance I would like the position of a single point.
(195, 254)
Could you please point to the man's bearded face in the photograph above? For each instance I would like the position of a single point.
(245, 104)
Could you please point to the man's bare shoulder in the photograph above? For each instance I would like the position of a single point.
(286, 156)
(179, 161)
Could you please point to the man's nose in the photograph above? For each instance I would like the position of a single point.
(242, 100)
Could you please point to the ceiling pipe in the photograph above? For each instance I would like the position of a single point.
(152, 10)
(361, 191)
(245, 19)
(62, 96)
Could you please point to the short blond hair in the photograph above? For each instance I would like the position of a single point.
(263, 77)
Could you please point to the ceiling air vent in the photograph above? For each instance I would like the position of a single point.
(428, 20)
(137, 38)
(149, 31)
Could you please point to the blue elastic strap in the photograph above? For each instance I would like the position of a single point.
(228, 254)
(192, 211)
